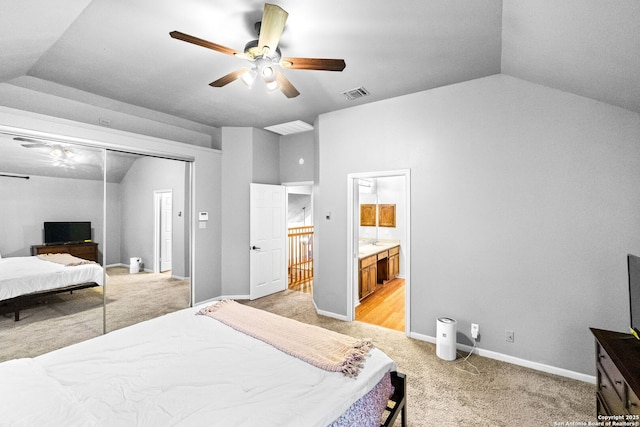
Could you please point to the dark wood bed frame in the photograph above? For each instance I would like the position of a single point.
(18, 301)
(397, 401)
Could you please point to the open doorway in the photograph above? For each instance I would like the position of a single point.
(163, 230)
(379, 248)
(300, 232)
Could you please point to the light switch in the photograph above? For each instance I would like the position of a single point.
(203, 216)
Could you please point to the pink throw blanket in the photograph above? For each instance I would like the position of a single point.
(319, 347)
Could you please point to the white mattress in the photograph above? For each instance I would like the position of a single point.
(179, 369)
(24, 275)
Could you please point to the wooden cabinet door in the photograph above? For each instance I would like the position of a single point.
(373, 278)
(394, 266)
(367, 215)
(387, 215)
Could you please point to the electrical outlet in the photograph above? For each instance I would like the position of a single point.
(510, 336)
(475, 328)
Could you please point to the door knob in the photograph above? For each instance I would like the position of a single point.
(255, 248)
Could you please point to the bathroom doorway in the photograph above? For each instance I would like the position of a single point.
(379, 248)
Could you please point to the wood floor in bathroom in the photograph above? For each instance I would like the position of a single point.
(385, 307)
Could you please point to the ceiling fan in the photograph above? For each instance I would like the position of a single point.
(264, 54)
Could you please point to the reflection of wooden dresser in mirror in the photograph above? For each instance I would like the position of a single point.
(87, 250)
(367, 215)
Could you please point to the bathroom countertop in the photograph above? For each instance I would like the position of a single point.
(371, 249)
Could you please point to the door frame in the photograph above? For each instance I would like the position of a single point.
(353, 224)
(157, 213)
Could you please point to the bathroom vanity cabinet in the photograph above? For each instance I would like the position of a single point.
(377, 264)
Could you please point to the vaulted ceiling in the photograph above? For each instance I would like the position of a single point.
(118, 53)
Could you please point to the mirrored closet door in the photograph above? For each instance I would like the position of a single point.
(123, 217)
(51, 228)
(147, 256)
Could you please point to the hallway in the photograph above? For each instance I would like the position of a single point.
(385, 307)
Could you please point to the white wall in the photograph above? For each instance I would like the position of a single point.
(293, 148)
(28, 203)
(146, 175)
(525, 203)
(93, 108)
(250, 155)
(237, 146)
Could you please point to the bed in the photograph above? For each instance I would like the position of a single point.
(22, 278)
(185, 369)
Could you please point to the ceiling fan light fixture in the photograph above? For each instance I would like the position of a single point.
(249, 76)
(268, 73)
(272, 86)
(56, 152)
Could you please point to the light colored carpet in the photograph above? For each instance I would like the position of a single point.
(442, 393)
(56, 321)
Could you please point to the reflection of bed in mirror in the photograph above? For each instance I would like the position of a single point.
(191, 368)
(23, 278)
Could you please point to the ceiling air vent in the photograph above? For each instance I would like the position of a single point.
(356, 93)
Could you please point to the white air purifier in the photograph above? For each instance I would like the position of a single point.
(134, 265)
(446, 338)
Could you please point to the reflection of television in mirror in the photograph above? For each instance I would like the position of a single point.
(67, 232)
(633, 264)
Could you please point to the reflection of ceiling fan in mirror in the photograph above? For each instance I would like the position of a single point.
(263, 55)
(78, 159)
(56, 151)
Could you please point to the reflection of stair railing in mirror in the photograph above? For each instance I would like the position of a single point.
(300, 255)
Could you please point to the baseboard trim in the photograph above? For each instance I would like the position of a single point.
(515, 360)
(329, 313)
(118, 264)
(223, 297)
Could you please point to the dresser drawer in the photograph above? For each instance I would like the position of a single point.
(633, 403)
(82, 250)
(613, 374)
(609, 394)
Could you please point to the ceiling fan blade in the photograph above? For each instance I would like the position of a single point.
(286, 87)
(204, 43)
(273, 20)
(313, 64)
(232, 76)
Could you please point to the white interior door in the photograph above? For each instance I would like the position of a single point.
(268, 237)
(166, 230)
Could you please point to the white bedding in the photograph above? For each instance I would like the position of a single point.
(25, 275)
(179, 369)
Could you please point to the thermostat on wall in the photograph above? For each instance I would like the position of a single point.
(203, 216)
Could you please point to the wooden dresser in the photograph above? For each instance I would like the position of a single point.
(618, 374)
(81, 250)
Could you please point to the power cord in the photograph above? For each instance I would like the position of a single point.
(465, 360)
